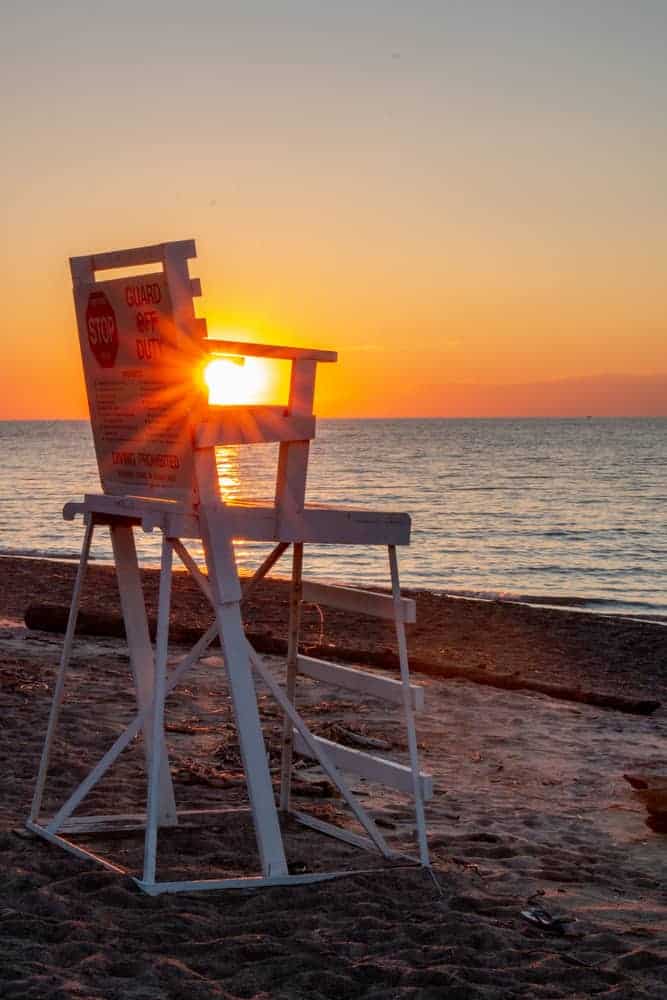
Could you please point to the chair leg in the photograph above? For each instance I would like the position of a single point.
(226, 593)
(407, 708)
(60, 679)
(140, 649)
(158, 756)
(296, 592)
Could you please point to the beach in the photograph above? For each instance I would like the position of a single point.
(547, 881)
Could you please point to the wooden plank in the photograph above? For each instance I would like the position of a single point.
(78, 852)
(302, 386)
(339, 832)
(366, 765)
(127, 506)
(292, 669)
(81, 269)
(254, 522)
(122, 823)
(141, 653)
(126, 822)
(347, 836)
(347, 526)
(170, 516)
(360, 680)
(363, 602)
(60, 678)
(226, 425)
(135, 256)
(290, 492)
(248, 882)
(226, 592)
(158, 761)
(326, 525)
(180, 283)
(248, 350)
(407, 708)
(257, 524)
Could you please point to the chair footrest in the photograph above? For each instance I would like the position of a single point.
(366, 765)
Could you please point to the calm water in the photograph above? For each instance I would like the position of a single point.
(546, 509)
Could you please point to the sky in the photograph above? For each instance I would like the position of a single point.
(466, 199)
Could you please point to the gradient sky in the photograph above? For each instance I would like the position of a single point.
(467, 199)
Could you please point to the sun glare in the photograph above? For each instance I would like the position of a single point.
(236, 381)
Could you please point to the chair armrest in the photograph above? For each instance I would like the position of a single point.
(246, 349)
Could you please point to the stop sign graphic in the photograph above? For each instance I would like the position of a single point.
(102, 329)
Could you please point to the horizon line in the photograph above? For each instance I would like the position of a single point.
(416, 416)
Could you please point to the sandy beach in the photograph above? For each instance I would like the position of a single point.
(364, 292)
(531, 811)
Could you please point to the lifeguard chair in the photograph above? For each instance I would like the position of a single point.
(155, 437)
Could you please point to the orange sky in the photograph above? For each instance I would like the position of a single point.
(471, 209)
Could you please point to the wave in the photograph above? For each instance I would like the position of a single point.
(630, 608)
(53, 555)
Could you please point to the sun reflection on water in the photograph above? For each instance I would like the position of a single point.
(229, 473)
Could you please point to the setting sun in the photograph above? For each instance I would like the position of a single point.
(234, 381)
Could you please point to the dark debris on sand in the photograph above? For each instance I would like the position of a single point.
(592, 653)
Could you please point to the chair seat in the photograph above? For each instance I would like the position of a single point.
(252, 522)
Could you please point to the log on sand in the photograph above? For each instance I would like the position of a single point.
(53, 618)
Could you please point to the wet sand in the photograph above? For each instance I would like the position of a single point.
(531, 810)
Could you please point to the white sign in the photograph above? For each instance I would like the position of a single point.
(140, 374)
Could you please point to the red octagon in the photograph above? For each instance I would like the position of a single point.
(102, 329)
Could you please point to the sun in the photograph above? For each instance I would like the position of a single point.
(236, 381)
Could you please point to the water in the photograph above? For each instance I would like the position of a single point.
(567, 512)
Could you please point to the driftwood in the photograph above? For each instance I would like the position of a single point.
(53, 618)
(508, 682)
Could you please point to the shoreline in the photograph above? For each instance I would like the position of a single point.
(604, 654)
(575, 603)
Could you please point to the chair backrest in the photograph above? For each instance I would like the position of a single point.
(143, 352)
(141, 347)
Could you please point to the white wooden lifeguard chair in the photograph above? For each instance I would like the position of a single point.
(155, 435)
